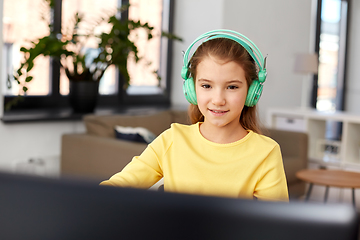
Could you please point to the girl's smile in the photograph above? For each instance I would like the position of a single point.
(217, 112)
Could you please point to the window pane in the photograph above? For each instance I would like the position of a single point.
(142, 77)
(329, 55)
(92, 10)
(23, 22)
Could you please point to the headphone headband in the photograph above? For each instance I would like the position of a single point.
(250, 47)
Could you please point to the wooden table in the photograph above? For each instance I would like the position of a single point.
(330, 178)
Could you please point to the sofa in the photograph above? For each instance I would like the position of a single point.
(294, 150)
(97, 154)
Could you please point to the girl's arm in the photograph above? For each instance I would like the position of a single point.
(272, 184)
(142, 172)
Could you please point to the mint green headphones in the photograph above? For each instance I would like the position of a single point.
(256, 86)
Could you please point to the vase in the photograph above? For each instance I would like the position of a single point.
(83, 96)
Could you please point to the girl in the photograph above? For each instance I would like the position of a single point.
(223, 152)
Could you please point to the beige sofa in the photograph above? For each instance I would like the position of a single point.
(97, 154)
(294, 150)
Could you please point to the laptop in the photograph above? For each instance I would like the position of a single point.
(45, 209)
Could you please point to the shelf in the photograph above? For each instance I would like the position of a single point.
(314, 123)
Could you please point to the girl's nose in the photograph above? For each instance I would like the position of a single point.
(218, 98)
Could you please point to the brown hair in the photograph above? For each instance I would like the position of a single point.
(227, 50)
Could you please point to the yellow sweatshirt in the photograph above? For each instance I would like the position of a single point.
(189, 163)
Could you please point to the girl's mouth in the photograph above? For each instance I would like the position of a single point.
(217, 112)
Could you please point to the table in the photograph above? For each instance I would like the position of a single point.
(330, 178)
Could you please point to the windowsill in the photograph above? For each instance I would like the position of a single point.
(66, 114)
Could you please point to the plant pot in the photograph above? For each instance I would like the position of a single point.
(83, 96)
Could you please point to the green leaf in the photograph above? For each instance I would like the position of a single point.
(29, 78)
(30, 66)
(23, 49)
(17, 80)
(25, 88)
(19, 73)
(171, 36)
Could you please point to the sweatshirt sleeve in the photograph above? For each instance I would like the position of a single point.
(272, 183)
(143, 171)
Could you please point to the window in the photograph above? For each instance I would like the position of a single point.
(331, 39)
(331, 45)
(22, 20)
(16, 31)
(91, 10)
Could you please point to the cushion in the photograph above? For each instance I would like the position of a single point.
(103, 126)
(137, 134)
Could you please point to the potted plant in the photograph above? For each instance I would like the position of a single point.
(113, 48)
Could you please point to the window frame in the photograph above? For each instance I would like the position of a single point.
(342, 64)
(57, 101)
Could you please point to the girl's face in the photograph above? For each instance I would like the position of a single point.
(221, 90)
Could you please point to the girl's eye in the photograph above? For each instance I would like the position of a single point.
(232, 87)
(205, 86)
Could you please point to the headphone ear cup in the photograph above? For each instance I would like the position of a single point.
(254, 93)
(189, 91)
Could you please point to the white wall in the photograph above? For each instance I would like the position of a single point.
(21, 141)
(280, 28)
